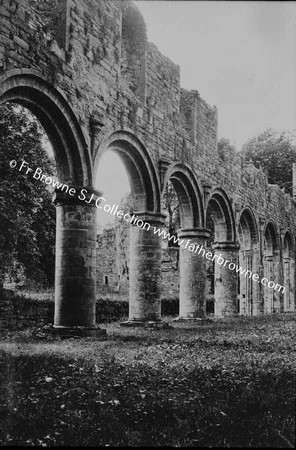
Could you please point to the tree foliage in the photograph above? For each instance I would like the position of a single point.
(274, 152)
(170, 207)
(224, 147)
(27, 216)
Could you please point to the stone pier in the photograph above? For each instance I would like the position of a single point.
(75, 298)
(145, 270)
(193, 273)
(226, 280)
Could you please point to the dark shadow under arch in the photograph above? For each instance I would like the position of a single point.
(219, 207)
(248, 225)
(248, 236)
(189, 196)
(271, 239)
(288, 272)
(288, 248)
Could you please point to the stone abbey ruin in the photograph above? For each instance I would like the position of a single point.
(87, 72)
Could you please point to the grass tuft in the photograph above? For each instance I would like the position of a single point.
(229, 383)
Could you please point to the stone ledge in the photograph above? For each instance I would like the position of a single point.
(200, 320)
(142, 324)
(68, 332)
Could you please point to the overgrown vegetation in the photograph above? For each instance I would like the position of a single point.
(274, 152)
(27, 216)
(222, 384)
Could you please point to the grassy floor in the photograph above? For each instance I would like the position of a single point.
(230, 383)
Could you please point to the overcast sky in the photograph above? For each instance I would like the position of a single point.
(240, 56)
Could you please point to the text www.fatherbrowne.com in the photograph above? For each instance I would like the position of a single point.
(101, 203)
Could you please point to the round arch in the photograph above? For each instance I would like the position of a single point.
(271, 264)
(288, 271)
(248, 236)
(222, 282)
(189, 195)
(271, 238)
(140, 168)
(224, 224)
(288, 247)
(29, 89)
(248, 230)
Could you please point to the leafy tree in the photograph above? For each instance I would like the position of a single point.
(274, 152)
(170, 206)
(122, 235)
(27, 216)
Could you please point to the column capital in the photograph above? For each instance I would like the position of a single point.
(76, 195)
(269, 258)
(154, 219)
(226, 246)
(191, 233)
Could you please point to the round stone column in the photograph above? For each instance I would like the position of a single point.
(193, 274)
(145, 269)
(277, 278)
(75, 278)
(268, 293)
(226, 279)
(256, 286)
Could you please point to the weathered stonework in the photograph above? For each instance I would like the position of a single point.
(86, 70)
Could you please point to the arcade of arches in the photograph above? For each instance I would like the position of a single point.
(97, 85)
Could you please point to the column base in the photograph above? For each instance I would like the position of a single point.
(69, 332)
(144, 324)
(200, 320)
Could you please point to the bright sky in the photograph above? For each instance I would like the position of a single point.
(240, 56)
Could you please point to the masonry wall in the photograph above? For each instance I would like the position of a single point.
(80, 49)
(19, 313)
(113, 262)
(107, 273)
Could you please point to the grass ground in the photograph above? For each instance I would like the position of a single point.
(230, 383)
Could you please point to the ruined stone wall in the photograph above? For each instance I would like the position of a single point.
(79, 48)
(107, 274)
(88, 75)
(113, 262)
(17, 312)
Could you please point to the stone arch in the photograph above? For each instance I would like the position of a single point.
(30, 90)
(271, 262)
(271, 238)
(191, 241)
(189, 195)
(75, 220)
(144, 181)
(222, 281)
(220, 207)
(248, 237)
(145, 245)
(289, 272)
(248, 229)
